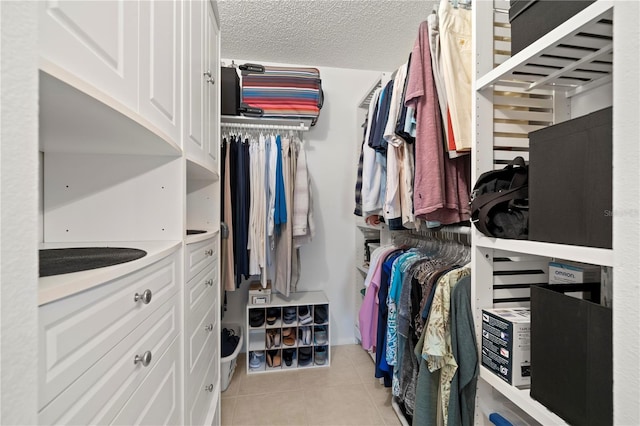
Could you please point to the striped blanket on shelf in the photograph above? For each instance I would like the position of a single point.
(284, 92)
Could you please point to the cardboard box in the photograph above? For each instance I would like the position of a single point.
(506, 344)
(259, 295)
(564, 272)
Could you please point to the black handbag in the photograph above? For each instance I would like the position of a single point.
(499, 201)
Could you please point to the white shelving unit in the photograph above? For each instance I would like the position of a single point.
(257, 337)
(583, 65)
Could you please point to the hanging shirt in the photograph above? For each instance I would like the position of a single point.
(437, 348)
(373, 172)
(438, 179)
(392, 210)
(455, 41)
(280, 214)
(368, 314)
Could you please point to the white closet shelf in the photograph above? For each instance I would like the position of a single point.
(577, 53)
(196, 171)
(56, 287)
(593, 255)
(260, 122)
(363, 269)
(196, 238)
(521, 398)
(75, 117)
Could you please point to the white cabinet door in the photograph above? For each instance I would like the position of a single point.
(213, 91)
(157, 400)
(160, 64)
(96, 41)
(194, 139)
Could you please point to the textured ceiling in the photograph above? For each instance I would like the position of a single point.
(370, 34)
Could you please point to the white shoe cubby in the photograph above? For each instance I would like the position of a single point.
(293, 330)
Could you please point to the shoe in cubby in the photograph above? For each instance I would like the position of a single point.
(289, 315)
(273, 317)
(320, 355)
(321, 314)
(273, 338)
(274, 359)
(256, 360)
(320, 335)
(304, 315)
(289, 358)
(304, 336)
(289, 336)
(256, 317)
(305, 356)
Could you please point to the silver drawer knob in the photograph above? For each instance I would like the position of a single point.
(209, 388)
(144, 359)
(209, 327)
(145, 297)
(209, 282)
(208, 252)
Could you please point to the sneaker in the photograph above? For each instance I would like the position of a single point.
(304, 315)
(304, 356)
(256, 317)
(289, 314)
(305, 335)
(320, 314)
(256, 359)
(321, 355)
(320, 335)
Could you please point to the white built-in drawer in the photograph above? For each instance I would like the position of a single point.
(201, 332)
(97, 396)
(77, 331)
(199, 255)
(203, 289)
(157, 399)
(206, 395)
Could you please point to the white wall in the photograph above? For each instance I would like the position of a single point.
(19, 219)
(328, 261)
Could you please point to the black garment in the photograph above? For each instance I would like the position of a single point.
(241, 196)
(378, 142)
(383, 316)
(223, 166)
(402, 117)
(358, 209)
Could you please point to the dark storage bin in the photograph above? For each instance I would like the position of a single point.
(531, 19)
(570, 181)
(571, 354)
(229, 91)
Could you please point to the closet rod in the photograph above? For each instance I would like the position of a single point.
(301, 127)
(303, 124)
(454, 229)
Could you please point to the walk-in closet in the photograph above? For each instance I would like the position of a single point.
(413, 212)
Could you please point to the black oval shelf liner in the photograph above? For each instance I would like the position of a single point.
(66, 260)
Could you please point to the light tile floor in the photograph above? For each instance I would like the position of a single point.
(346, 393)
